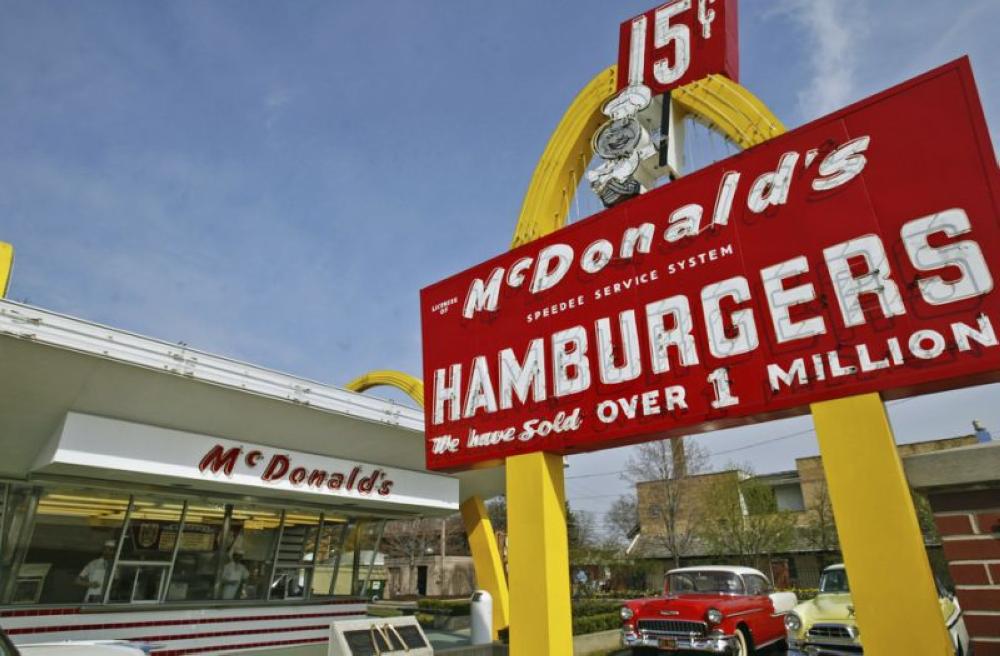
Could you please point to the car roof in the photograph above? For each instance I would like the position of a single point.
(833, 567)
(742, 571)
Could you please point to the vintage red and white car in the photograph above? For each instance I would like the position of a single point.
(719, 610)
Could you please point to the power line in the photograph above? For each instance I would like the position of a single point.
(745, 447)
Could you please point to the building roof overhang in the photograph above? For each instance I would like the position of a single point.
(52, 365)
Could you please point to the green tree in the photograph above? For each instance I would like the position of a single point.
(743, 521)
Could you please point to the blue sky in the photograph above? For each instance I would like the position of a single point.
(275, 181)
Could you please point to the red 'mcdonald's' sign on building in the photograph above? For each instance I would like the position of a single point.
(856, 253)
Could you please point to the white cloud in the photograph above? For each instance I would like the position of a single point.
(274, 103)
(836, 32)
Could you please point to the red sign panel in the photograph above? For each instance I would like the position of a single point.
(679, 42)
(857, 253)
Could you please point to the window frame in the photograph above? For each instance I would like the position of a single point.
(38, 489)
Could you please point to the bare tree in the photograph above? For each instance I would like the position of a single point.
(581, 529)
(621, 519)
(743, 519)
(411, 538)
(417, 538)
(820, 530)
(496, 508)
(665, 466)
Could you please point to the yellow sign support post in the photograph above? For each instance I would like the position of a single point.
(486, 560)
(897, 604)
(891, 581)
(482, 541)
(883, 548)
(538, 556)
(6, 266)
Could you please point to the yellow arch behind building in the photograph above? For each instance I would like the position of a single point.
(413, 386)
(6, 266)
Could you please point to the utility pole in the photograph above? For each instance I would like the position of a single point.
(444, 540)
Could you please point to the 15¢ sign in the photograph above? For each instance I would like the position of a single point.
(857, 253)
(679, 42)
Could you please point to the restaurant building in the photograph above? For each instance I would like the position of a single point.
(152, 492)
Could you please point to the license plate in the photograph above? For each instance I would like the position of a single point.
(667, 643)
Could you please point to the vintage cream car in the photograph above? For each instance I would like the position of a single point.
(825, 626)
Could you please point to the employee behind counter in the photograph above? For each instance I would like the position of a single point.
(93, 574)
(193, 578)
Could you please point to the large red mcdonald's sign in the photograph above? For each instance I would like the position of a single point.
(857, 253)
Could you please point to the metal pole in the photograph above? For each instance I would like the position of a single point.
(340, 551)
(307, 593)
(177, 548)
(356, 560)
(4, 514)
(109, 573)
(221, 552)
(19, 548)
(444, 543)
(371, 562)
(274, 554)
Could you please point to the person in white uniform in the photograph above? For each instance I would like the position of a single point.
(93, 574)
(234, 576)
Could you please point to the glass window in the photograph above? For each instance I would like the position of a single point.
(249, 554)
(704, 581)
(295, 555)
(196, 564)
(756, 585)
(72, 547)
(146, 551)
(330, 547)
(834, 581)
(361, 556)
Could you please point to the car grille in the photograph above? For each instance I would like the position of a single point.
(838, 631)
(678, 627)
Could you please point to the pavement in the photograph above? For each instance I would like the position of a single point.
(446, 639)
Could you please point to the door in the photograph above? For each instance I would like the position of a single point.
(780, 574)
(422, 580)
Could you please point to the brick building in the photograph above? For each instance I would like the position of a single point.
(799, 494)
(963, 488)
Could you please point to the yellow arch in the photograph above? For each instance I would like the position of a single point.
(715, 100)
(564, 161)
(729, 108)
(413, 386)
(538, 553)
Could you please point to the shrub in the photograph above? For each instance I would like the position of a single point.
(585, 608)
(446, 607)
(595, 623)
(425, 620)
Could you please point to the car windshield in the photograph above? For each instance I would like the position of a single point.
(834, 580)
(704, 581)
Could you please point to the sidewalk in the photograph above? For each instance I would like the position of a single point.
(447, 639)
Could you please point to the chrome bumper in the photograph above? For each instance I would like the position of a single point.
(722, 644)
(808, 649)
